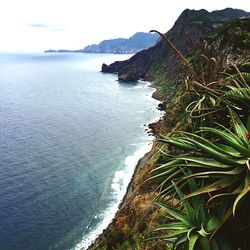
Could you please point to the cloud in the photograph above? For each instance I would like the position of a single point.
(39, 25)
(45, 26)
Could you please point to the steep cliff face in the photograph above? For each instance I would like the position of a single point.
(231, 42)
(159, 63)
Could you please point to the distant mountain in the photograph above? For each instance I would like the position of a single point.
(139, 41)
(134, 44)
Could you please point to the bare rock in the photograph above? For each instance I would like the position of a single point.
(128, 74)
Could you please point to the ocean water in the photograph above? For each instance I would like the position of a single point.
(70, 137)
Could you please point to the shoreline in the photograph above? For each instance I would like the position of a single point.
(142, 162)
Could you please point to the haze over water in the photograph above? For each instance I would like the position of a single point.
(70, 139)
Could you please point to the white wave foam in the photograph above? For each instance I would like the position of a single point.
(120, 182)
(119, 186)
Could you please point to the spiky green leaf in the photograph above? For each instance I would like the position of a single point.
(192, 240)
(243, 193)
(217, 185)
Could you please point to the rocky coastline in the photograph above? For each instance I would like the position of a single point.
(154, 129)
(136, 188)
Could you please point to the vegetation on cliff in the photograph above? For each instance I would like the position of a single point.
(198, 170)
(209, 166)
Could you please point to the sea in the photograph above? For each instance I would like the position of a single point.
(70, 139)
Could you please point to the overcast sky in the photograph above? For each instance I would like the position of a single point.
(37, 25)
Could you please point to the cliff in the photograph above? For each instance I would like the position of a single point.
(159, 63)
(138, 214)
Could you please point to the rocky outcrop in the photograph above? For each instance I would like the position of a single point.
(128, 74)
(140, 62)
(231, 42)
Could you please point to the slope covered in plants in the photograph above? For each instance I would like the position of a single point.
(192, 190)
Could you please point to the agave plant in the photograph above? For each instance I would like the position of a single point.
(223, 163)
(191, 225)
(216, 92)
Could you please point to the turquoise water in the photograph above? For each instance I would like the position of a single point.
(70, 139)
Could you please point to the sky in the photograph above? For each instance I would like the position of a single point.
(37, 25)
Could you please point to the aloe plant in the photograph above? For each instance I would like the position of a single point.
(223, 163)
(191, 224)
